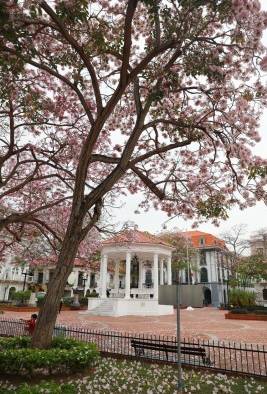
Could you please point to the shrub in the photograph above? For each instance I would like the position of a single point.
(65, 355)
(93, 294)
(83, 301)
(240, 297)
(22, 297)
(68, 301)
(40, 299)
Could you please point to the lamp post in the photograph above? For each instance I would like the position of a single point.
(84, 279)
(25, 274)
(178, 334)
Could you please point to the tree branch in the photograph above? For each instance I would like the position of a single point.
(127, 40)
(79, 50)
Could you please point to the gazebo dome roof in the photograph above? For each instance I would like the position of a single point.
(135, 237)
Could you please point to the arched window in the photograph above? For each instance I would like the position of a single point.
(203, 275)
(12, 290)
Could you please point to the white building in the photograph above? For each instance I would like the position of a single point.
(11, 279)
(212, 268)
(140, 262)
(258, 246)
(14, 277)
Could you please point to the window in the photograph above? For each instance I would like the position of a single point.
(219, 274)
(80, 279)
(203, 258)
(51, 274)
(203, 275)
(202, 241)
(40, 277)
(264, 294)
(92, 280)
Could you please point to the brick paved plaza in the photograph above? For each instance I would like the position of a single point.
(204, 323)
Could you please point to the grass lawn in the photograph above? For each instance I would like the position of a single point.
(117, 376)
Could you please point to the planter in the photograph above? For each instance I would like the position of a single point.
(13, 308)
(245, 316)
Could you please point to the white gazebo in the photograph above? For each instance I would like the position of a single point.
(133, 264)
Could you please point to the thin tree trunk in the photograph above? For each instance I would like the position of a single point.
(43, 332)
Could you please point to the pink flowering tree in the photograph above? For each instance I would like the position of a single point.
(162, 97)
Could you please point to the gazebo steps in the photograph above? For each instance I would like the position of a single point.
(104, 309)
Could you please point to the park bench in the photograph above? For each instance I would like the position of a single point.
(191, 350)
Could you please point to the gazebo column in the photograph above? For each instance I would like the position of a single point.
(161, 272)
(116, 276)
(156, 276)
(128, 275)
(140, 276)
(169, 270)
(103, 276)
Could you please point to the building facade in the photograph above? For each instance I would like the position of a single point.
(258, 245)
(132, 266)
(35, 277)
(209, 266)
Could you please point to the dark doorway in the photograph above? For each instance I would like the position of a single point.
(148, 278)
(134, 272)
(207, 296)
(40, 278)
(12, 291)
(92, 280)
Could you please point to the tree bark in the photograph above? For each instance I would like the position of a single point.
(43, 332)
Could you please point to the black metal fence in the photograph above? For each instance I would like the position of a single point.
(219, 356)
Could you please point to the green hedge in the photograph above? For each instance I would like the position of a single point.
(22, 297)
(248, 310)
(65, 355)
(43, 387)
(67, 301)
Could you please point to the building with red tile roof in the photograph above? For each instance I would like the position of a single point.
(204, 240)
(209, 266)
(135, 236)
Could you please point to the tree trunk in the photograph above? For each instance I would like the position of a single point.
(43, 332)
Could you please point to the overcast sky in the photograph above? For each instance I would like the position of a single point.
(255, 217)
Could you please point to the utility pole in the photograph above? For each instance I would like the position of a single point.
(188, 261)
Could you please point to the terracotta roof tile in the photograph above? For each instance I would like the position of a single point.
(78, 262)
(209, 239)
(135, 236)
